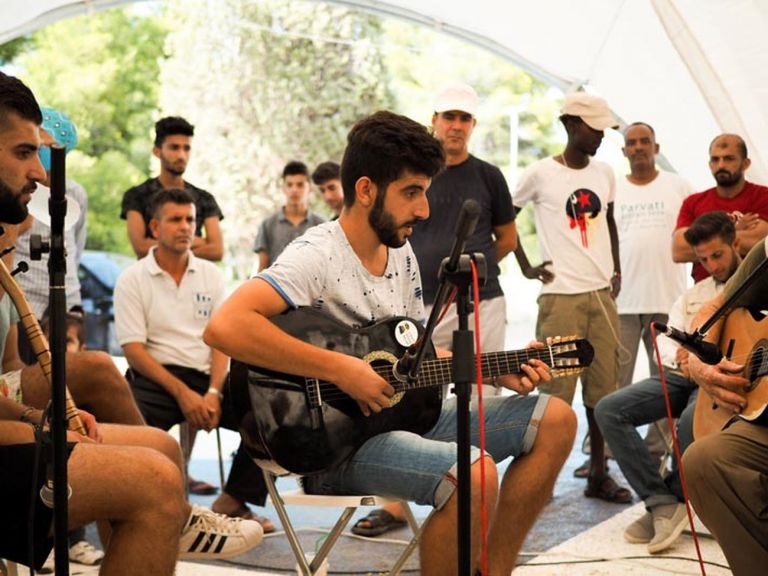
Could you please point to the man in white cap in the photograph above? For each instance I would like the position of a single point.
(572, 196)
(465, 176)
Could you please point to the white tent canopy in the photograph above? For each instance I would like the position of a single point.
(691, 68)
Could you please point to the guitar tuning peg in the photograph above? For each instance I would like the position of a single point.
(22, 267)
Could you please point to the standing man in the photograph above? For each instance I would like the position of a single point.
(162, 305)
(727, 472)
(747, 203)
(465, 177)
(572, 197)
(646, 207)
(360, 269)
(173, 146)
(713, 238)
(327, 178)
(291, 221)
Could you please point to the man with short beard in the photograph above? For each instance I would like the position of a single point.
(745, 202)
(359, 270)
(173, 146)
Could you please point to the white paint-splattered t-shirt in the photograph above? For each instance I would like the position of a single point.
(320, 269)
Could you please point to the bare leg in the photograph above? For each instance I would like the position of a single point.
(527, 486)
(140, 491)
(95, 384)
(439, 540)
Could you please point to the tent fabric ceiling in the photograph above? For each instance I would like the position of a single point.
(691, 68)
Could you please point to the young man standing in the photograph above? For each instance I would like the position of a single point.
(360, 269)
(572, 197)
(327, 178)
(291, 221)
(173, 146)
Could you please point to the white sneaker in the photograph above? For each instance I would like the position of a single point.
(641, 530)
(667, 529)
(83, 552)
(208, 535)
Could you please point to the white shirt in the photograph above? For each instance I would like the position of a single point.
(645, 219)
(570, 213)
(168, 319)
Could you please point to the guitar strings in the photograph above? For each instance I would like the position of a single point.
(439, 371)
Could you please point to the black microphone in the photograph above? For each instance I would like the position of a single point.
(707, 352)
(468, 217)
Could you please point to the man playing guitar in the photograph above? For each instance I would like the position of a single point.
(361, 269)
(727, 472)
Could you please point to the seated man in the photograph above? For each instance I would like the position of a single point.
(162, 304)
(727, 472)
(712, 237)
(151, 523)
(360, 269)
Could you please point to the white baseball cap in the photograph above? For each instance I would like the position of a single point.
(590, 108)
(460, 97)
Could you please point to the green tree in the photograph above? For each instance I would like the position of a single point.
(264, 83)
(102, 70)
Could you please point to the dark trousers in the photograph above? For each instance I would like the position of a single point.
(245, 481)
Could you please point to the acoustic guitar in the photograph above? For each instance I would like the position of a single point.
(743, 340)
(305, 425)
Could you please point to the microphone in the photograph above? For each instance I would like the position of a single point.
(707, 352)
(468, 217)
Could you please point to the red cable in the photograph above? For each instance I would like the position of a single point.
(481, 423)
(676, 446)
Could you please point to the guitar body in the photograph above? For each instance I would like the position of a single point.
(747, 341)
(306, 426)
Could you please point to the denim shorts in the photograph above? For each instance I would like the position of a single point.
(422, 469)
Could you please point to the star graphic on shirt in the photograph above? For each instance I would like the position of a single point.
(583, 199)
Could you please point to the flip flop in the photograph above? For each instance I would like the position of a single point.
(379, 521)
(245, 513)
(606, 489)
(201, 488)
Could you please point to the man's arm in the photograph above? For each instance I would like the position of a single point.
(750, 229)
(241, 329)
(505, 239)
(211, 246)
(190, 402)
(136, 233)
(11, 359)
(681, 250)
(263, 260)
(212, 399)
(613, 232)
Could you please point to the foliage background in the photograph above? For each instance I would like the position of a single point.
(264, 82)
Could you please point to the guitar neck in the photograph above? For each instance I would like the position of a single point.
(440, 371)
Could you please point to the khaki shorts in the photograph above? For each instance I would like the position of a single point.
(593, 316)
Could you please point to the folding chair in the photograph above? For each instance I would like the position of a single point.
(349, 503)
(186, 439)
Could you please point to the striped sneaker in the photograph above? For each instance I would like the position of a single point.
(208, 535)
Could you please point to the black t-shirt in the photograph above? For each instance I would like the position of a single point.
(139, 198)
(432, 240)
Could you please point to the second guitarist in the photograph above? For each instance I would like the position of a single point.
(360, 269)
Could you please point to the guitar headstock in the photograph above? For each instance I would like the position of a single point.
(568, 355)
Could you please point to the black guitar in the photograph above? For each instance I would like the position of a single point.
(306, 426)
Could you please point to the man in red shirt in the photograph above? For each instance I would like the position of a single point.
(745, 202)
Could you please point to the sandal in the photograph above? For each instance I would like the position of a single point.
(606, 489)
(583, 470)
(379, 521)
(201, 488)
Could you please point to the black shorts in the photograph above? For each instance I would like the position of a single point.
(22, 474)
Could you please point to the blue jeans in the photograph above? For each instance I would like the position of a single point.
(618, 416)
(422, 469)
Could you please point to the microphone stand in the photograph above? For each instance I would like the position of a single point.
(456, 271)
(57, 270)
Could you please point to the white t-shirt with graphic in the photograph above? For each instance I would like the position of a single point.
(320, 269)
(570, 214)
(645, 218)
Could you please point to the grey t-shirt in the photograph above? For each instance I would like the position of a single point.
(321, 270)
(276, 232)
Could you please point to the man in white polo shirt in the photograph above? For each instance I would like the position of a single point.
(162, 305)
